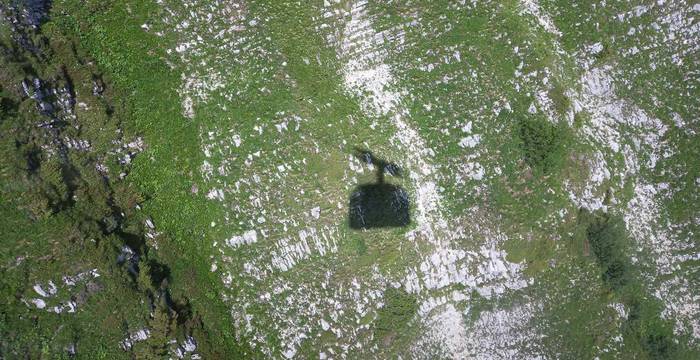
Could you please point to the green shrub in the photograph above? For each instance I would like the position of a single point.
(559, 98)
(644, 324)
(542, 143)
(399, 308)
(607, 238)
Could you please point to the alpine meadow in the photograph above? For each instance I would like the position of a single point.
(350, 179)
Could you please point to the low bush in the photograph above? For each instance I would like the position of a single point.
(543, 143)
(607, 239)
(399, 308)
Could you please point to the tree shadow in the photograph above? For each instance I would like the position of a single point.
(380, 204)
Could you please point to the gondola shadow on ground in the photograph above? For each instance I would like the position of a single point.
(379, 204)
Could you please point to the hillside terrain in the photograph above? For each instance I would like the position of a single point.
(350, 179)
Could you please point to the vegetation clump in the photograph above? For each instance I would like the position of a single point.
(609, 243)
(543, 143)
(562, 103)
(606, 237)
(399, 308)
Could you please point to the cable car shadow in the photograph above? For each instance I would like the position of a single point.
(380, 204)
